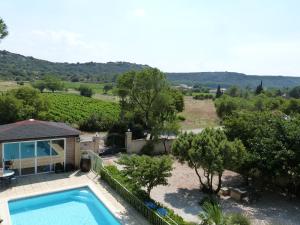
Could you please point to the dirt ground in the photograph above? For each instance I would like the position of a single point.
(183, 196)
(199, 114)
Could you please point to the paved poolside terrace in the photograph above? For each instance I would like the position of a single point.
(45, 183)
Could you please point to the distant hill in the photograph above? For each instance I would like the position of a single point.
(14, 66)
(226, 79)
(18, 67)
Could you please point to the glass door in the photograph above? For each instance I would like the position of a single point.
(43, 156)
(27, 158)
(58, 154)
(11, 157)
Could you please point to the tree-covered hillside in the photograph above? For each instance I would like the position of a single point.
(227, 79)
(18, 67)
(14, 66)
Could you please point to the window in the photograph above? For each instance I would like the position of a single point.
(30, 157)
(27, 158)
(58, 153)
(43, 153)
(11, 151)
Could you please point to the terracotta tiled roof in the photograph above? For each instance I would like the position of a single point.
(35, 129)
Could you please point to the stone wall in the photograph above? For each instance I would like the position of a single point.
(94, 144)
(135, 146)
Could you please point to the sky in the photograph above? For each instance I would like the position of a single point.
(260, 37)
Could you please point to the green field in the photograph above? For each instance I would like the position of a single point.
(73, 108)
(97, 87)
(9, 85)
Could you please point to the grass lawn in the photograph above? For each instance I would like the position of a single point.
(199, 114)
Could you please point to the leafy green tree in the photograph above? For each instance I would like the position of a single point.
(259, 104)
(272, 141)
(145, 171)
(233, 91)
(96, 122)
(122, 93)
(20, 104)
(295, 92)
(107, 87)
(211, 151)
(9, 109)
(32, 104)
(219, 92)
(292, 106)
(259, 89)
(85, 90)
(3, 29)
(53, 83)
(168, 129)
(226, 105)
(147, 95)
(39, 84)
(178, 100)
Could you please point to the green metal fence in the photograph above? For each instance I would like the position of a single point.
(150, 215)
(97, 162)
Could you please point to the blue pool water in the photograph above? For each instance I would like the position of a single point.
(73, 207)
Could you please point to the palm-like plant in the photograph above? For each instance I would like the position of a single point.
(212, 214)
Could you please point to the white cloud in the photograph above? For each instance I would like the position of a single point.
(139, 12)
(61, 36)
(65, 45)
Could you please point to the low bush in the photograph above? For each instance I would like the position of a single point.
(85, 90)
(210, 199)
(148, 148)
(238, 219)
(203, 96)
(95, 122)
(181, 118)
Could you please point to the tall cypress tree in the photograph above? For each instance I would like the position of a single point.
(259, 88)
(219, 92)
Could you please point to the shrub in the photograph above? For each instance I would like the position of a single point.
(210, 199)
(238, 219)
(148, 148)
(181, 118)
(203, 96)
(95, 122)
(212, 214)
(20, 83)
(85, 90)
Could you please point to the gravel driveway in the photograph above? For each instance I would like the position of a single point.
(183, 195)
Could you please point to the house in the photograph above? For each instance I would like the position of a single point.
(34, 146)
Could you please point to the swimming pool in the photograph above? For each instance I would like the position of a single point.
(72, 207)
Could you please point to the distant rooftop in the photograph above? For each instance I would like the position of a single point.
(35, 129)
